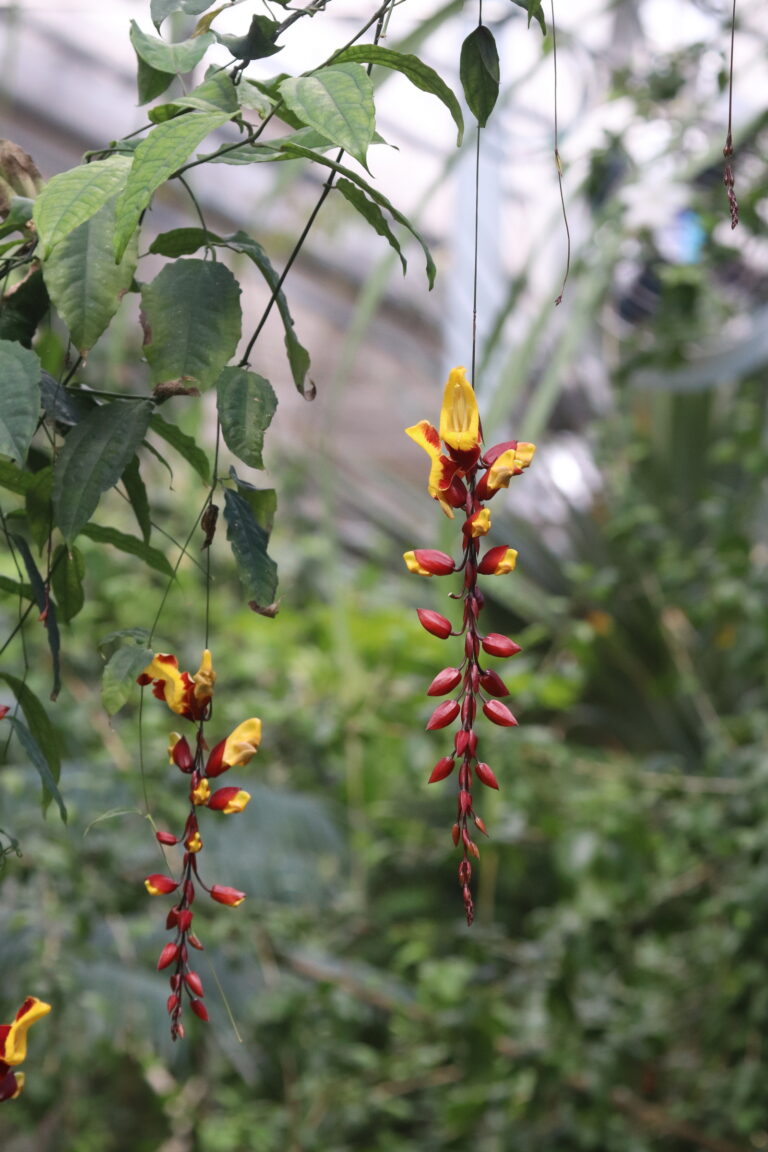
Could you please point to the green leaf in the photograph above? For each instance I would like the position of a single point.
(338, 103)
(22, 308)
(67, 572)
(83, 280)
(165, 57)
(62, 404)
(184, 445)
(16, 480)
(137, 494)
(414, 69)
(157, 157)
(256, 569)
(152, 557)
(92, 460)
(19, 398)
(294, 150)
(258, 42)
(262, 501)
(246, 404)
(372, 213)
(160, 9)
(71, 198)
(298, 357)
(38, 722)
(217, 93)
(134, 635)
(36, 755)
(192, 320)
(47, 610)
(182, 242)
(16, 588)
(535, 12)
(479, 73)
(38, 506)
(119, 677)
(150, 83)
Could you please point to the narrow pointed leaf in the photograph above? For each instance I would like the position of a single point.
(182, 242)
(71, 198)
(137, 494)
(152, 557)
(150, 82)
(165, 57)
(479, 73)
(192, 321)
(337, 102)
(33, 750)
(68, 570)
(298, 357)
(118, 680)
(19, 398)
(37, 502)
(535, 12)
(92, 460)
(83, 280)
(246, 404)
(414, 69)
(47, 611)
(157, 157)
(184, 445)
(256, 569)
(38, 722)
(373, 214)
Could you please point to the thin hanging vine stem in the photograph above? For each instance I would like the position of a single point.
(558, 162)
(733, 203)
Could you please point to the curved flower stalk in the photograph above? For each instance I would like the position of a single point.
(13, 1046)
(191, 696)
(463, 477)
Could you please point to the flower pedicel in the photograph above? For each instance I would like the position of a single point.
(463, 477)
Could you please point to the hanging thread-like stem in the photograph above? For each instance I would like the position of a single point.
(733, 203)
(558, 162)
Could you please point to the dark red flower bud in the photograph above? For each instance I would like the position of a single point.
(481, 825)
(167, 956)
(493, 683)
(455, 833)
(172, 918)
(456, 494)
(474, 677)
(465, 872)
(189, 892)
(159, 885)
(166, 838)
(472, 742)
(473, 849)
(443, 715)
(433, 622)
(175, 982)
(444, 682)
(230, 896)
(460, 742)
(471, 645)
(465, 801)
(438, 563)
(215, 765)
(499, 714)
(442, 769)
(199, 1009)
(182, 755)
(497, 645)
(194, 983)
(486, 776)
(178, 1031)
(193, 940)
(465, 776)
(185, 919)
(498, 561)
(468, 709)
(172, 1003)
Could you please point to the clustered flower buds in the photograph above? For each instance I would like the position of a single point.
(190, 696)
(463, 477)
(13, 1046)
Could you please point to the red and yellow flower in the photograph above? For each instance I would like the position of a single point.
(188, 696)
(464, 477)
(13, 1046)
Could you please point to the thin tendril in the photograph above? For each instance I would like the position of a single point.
(733, 203)
(557, 157)
(477, 230)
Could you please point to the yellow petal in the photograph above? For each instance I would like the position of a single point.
(480, 523)
(194, 843)
(243, 743)
(201, 794)
(15, 1046)
(413, 565)
(205, 678)
(173, 740)
(165, 668)
(508, 465)
(237, 803)
(459, 417)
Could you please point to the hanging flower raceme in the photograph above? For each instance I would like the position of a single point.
(13, 1046)
(190, 696)
(463, 477)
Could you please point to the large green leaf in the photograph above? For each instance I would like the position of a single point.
(35, 753)
(38, 722)
(372, 213)
(479, 72)
(414, 69)
(256, 569)
(338, 103)
(165, 57)
(157, 157)
(291, 149)
(92, 460)
(184, 445)
(192, 321)
(68, 570)
(19, 398)
(217, 93)
(119, 677)
(152, 557)
(83, 280)
(71, 198)
(246, 404)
